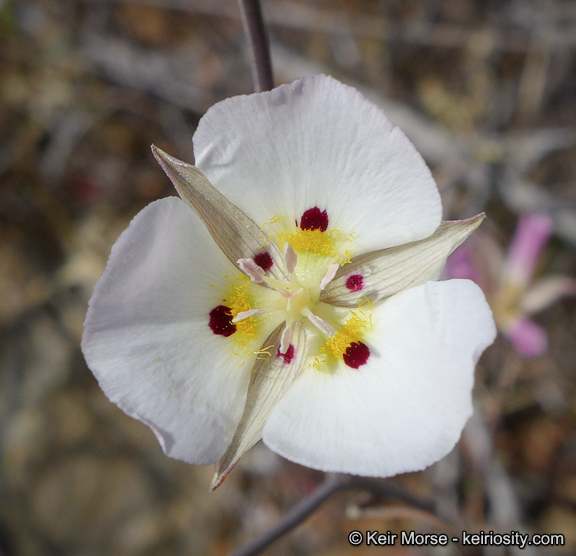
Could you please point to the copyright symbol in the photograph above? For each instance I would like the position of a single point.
(355, 538)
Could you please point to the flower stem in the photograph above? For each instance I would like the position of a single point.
(332, 484)
(255, 29)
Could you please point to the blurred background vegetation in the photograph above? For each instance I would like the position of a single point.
(486, 91)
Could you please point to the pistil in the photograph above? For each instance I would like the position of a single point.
(295, 299)
(298, 298)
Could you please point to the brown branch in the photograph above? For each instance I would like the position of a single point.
(332, 484)
(253, 24)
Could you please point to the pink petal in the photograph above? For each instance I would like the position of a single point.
(532, 234)
(528, 339)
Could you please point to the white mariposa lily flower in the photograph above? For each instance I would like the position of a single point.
(291, 297)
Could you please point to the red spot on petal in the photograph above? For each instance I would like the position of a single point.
(288, 356)
(355, 282)
(221, 321)
(264, 261)
(356, 354)
(314, 219)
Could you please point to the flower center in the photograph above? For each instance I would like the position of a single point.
(258, 303)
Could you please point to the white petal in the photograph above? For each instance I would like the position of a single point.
(406, 407)
(317, 142)
(147, 338)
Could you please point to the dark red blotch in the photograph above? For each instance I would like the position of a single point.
(288, 356)
(314, 219)
(264, 261)
(221, 321)
(357, 353)
(355, 282)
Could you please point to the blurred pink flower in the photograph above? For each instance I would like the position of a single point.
(508, 281)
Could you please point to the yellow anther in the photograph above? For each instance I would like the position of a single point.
(348, 255)
(265, 353)
(273, 220)
(266, 350)
(312, 241)
(267, 239)
(239, 302)
(365, 302)
(352, 331)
